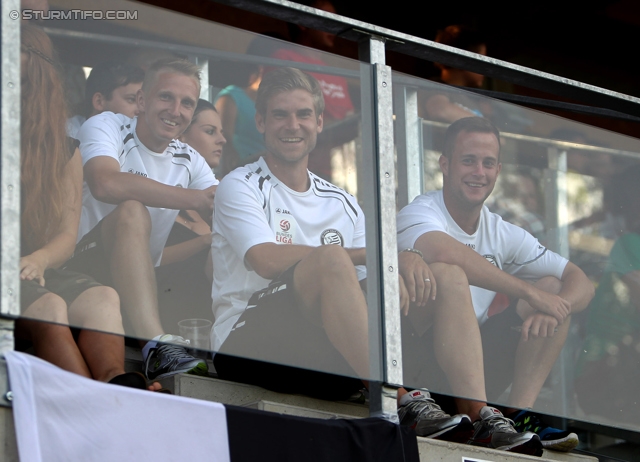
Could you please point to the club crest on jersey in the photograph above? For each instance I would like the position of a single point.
(491, 259)
(331, 237)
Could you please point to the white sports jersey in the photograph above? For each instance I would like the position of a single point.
(254, 207)
(508, 247)
(114, 135)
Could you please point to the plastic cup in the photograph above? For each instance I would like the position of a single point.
(198, 332)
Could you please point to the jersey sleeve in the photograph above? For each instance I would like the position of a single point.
(201, 176)
(416, 219)
(525, 258)
(100, 136)
(239, 215)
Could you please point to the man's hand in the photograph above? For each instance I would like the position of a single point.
(539, 325)
(418, 278)
(205, 208)
(32, 267)
(550, 304)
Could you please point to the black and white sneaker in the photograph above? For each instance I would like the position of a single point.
(494, 430)
(420, 412)
(170, 357)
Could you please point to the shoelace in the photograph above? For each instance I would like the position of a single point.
(501, 423)
(427, 407)
(175, 353)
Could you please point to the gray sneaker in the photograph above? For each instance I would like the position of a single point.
(170, 357)
(420, 412)
(494, 430)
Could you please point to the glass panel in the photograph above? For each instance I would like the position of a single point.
(148, 199)
(573, 188)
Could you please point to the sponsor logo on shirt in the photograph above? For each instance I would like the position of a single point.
(331, 237)
(473, 246)
(135, 172)
(285, 225)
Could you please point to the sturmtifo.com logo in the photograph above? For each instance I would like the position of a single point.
(51, 15)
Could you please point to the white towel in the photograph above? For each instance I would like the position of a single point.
(60, 416)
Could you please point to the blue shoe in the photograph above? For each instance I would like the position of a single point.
(551, 438)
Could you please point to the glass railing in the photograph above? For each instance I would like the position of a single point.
(278, 276)
(146, 230)
(572, 188)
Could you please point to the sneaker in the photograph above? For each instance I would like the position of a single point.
(420, 412)
(551, 438)
(169, 357)
(494, 430)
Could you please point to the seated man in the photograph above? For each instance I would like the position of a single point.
(137, 177)
(113, 87)
(521, 344)
(282, 294)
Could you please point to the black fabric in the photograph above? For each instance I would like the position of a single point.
(271, 336)
(258, 435)
(499, 344)
(89, 257)
(66, 284)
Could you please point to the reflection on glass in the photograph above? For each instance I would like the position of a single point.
(560, 182)
(155, 110)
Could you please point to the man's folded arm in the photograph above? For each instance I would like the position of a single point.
(108, 184)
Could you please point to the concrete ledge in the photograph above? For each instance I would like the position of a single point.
(442, 451)
(238, 394)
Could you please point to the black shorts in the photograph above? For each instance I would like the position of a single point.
(499, 345)
(275, 346)
(66, 284)
(89, 257)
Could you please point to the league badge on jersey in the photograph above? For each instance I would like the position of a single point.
(284, 225)
(331, 237)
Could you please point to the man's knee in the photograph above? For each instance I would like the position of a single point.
(450, 276)
(331, 261)
(549, 284)
(131, 215)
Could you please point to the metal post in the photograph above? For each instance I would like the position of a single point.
(408, 144)
(557, 221)
(381, 226)
(10, 172)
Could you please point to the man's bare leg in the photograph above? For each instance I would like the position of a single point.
(328, 287)
(456, 338)
(535, 357)
(125, 233)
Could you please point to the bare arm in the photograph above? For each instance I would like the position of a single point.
(437, 246)
(61, 246)
(108, 184)
(184, 250)
(269, 259)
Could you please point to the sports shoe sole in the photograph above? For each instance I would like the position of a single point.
(566, 444)
(457, 433)
(533, 447)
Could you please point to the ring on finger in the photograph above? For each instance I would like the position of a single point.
(427, 280)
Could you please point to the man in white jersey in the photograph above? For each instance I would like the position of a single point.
(521, 344)
(288, 254)
(137, 177)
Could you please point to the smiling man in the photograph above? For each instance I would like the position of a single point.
(520, 344)
(137, 177)
(280, 294)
